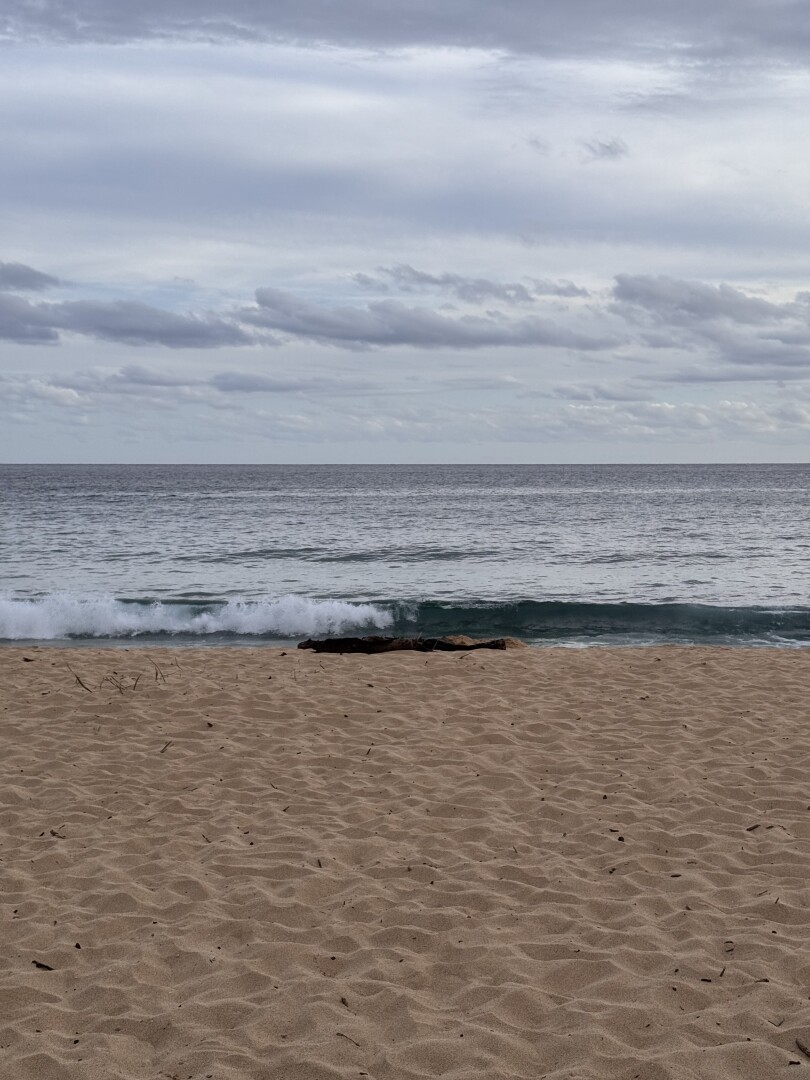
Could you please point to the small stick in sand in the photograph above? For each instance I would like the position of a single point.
(115, 682)
(84, 686)
(342, 1036)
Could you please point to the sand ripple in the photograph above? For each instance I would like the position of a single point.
(239, 864)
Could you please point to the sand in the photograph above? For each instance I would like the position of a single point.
(542, 863)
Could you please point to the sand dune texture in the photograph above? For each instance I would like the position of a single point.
(237, 864)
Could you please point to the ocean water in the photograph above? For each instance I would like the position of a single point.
(552, 554)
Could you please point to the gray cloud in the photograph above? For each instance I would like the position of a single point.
(138, 379)
(727, 327)
(558, 288)
(674, 300)
(134, 323)
(137, 375)
(729, 374)
(18, 276)
(621, 390)
(724, 28)
(128, 322)
(389, 322)
(606, 149)
(23, 321)
(471, 290)
(382, 323)
(248, 382)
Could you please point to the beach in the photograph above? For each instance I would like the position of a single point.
(267, 864)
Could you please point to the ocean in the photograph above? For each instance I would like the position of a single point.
(555, 555)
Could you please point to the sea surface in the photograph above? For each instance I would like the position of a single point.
(574, 555)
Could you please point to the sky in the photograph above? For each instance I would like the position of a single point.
(390, 231)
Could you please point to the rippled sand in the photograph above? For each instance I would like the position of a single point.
(237, 864)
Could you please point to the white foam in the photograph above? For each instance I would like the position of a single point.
(65, 615)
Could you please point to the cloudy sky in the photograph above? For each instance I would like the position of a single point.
(401, 230)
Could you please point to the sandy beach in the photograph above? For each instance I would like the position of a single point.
(228, 864)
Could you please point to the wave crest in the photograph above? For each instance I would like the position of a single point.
(67, 616)
(285, 618)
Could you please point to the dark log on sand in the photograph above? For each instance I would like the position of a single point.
(373, 644)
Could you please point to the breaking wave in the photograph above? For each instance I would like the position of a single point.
(63, 616)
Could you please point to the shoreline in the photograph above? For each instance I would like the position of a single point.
(282, 621)
(196, 645)
(270, 863)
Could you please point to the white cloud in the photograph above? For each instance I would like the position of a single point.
(58, 395)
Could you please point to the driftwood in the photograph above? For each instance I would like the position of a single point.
(373, 644)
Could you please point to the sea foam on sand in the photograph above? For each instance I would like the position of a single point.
(256, 863)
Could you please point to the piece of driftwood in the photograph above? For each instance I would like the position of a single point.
(457, 643)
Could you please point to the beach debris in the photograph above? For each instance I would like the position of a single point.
(379, 644)
(116, 682)
(158, 672)
(84, 686)
(342, 1036)
(42, 967)
(165, 747)
(804, 1047)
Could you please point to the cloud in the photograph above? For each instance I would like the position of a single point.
(655, 419)
(673, 300)
(469, 289)
(606, 149)
(381, 323)
(57, 395)
(249, 382)
(133, 323)
(558, 288)
(389, 322)
(472, 290)
(720, 323)
(627, 27)
(23, 321)
(135, 379)
(127, 322)
(137, 375)
(620, 390)
(18, 276)
(714, 374)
